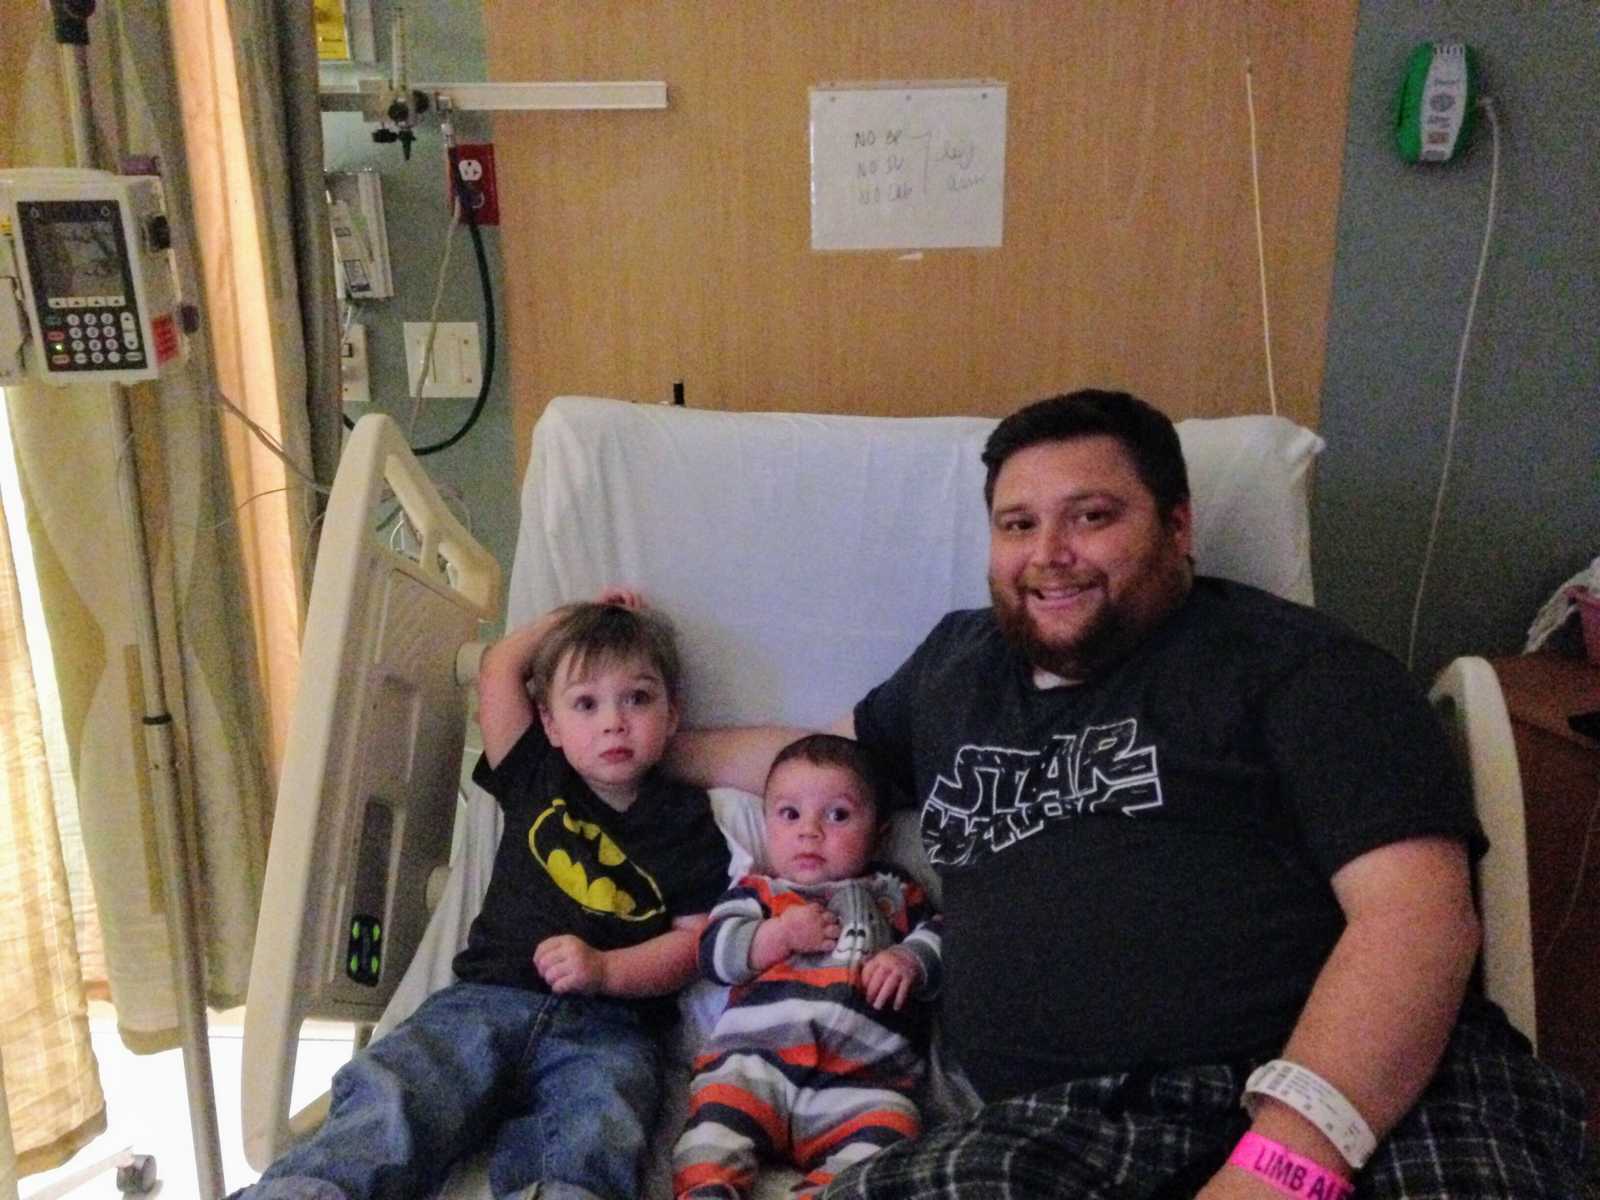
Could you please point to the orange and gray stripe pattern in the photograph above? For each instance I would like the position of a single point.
(800, 1068)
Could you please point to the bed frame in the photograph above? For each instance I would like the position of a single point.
(367, 796)
(801, 558)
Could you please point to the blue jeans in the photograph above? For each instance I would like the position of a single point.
(562, 1089)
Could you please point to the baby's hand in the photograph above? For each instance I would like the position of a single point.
(569, 964)
(809, 929)
(889, 975)
(621, 597)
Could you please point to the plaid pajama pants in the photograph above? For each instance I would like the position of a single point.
(1494, 1124)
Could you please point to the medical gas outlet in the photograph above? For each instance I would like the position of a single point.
(454, 366)
(93, 280)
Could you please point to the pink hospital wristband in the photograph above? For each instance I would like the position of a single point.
(1290, 1173)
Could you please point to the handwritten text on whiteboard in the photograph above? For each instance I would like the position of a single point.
(907, 167)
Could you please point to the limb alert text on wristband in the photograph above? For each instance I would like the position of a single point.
(1318, 1101)
(1288, 1172)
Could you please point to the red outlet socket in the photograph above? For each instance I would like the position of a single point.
(475, 164)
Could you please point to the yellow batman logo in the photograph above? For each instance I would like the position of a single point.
(588, 866)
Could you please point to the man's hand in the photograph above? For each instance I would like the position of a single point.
(569, 964)
(889, 977)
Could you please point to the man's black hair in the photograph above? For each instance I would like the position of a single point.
(1146, 433)
(831, 750)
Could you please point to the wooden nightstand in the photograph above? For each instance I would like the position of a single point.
(1561, 791)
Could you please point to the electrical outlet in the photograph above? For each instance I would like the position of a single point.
(475, 165)
(355, 383)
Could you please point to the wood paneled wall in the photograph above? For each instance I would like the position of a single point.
(643, 248)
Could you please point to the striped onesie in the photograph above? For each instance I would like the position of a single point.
(799, 1067)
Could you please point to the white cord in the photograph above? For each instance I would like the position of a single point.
(1261, 242)
(244, 504)
(1455, 391)
(267, 440)
(433, 315)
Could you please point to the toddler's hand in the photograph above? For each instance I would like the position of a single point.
(569, 964)
(621, 597)
(888, 976)
(809, 929)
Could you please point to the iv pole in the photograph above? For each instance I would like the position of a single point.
(72, 35)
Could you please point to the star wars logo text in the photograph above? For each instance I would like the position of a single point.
(993, 797)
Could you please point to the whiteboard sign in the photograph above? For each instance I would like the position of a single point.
(907, 166)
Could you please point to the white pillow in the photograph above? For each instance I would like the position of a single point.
(1250, 482)
(738, 815)
(803, 556)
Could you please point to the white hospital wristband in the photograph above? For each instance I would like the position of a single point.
(1318, 1101)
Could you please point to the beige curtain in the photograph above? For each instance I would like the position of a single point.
(50, 1098)
(227, 531)
(229, 85)
(8, 1150)
(48, 1082)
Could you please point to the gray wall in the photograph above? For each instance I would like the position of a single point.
(1523, 508)
(445, 44)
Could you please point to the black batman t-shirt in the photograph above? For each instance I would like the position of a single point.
(1136, 869)
(569, 863)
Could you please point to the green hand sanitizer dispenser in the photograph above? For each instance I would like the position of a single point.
(1437, 104)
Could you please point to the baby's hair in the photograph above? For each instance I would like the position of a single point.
(831, 750)
(591, 636)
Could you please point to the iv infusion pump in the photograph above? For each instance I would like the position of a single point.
(92, 293)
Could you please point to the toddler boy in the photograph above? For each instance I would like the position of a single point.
(816, 1055)
(546, 1046)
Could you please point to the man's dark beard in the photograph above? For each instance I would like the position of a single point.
(1112, 638)
(1107, 641)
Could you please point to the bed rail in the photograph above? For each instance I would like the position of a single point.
(367, 795)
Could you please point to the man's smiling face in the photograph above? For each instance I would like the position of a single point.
(1081, 563)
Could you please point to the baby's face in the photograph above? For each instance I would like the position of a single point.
(820, 823)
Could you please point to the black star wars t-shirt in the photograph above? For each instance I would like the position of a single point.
(1136, 869)
(569, 863)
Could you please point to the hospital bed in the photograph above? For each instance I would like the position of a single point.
(801, 557)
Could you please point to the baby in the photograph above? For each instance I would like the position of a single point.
(816, 1055)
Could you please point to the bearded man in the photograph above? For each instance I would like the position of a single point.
(1205, 862)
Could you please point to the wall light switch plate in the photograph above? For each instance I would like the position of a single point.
(355, 383)
(456, 369)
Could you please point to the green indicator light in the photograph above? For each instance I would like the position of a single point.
(374, 967)
(355, 964)
(377, 931)
(355, 929)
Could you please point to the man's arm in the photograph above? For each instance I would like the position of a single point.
(737, 757)
(1382, 1008)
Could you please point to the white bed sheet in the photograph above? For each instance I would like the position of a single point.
(801, 558)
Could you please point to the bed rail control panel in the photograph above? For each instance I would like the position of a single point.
(363, 959)
(93, 277)
(365, 962)
(367, 798)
